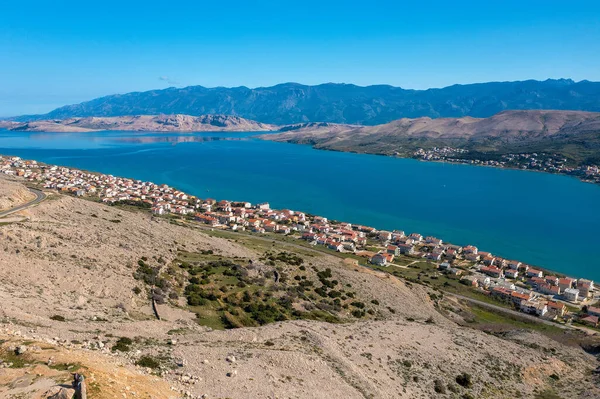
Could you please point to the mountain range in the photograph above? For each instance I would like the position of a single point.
(291, 103)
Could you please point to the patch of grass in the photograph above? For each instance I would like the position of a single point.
(488, 320)
(18, 361)
(66, 366)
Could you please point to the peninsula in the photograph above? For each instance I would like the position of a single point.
(551, 141)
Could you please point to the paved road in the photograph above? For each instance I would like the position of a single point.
(39, 197)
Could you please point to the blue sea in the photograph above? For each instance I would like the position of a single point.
(551, 221)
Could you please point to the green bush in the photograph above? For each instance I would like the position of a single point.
(148, 361)
(123, 344)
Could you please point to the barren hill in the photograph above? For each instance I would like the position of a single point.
(504, 132)
(70, 278)
(13, 194)
(150, 123)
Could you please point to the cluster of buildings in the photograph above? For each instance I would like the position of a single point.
(552, 163)
(529, 289)
(438, 153)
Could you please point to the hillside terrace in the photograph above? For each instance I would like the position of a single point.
(527, 289)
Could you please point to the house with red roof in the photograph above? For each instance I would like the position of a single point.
(565, 283)
(534, 273)
(590, 320)
(393, 249)
(557, 309)
(491, 271)
(593, 311)
(552, 280)
(548, 289)
(517, 297)
(382, 259)
(470, 249)
(501, 292)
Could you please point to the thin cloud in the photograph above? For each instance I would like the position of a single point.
(168, 80)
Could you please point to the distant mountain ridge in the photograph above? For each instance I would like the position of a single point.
(291, 103)
(142, 123)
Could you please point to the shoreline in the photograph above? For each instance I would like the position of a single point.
(102, 175)
(314, 146)
(261, 135)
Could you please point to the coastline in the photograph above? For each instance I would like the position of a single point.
(316, 147)
(102, 175)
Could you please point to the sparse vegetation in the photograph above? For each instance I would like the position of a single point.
(148, 361)
(464, 380)
(123, 344)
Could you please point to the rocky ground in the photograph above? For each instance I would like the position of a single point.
(13, 194)
(67, 292)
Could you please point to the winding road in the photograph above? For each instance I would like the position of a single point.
(39, 197)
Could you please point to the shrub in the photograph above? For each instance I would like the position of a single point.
(148, 361)
(137, 290)
(375, 302)
(439, 387)
(464, 380)
(57, 317)
(122, 345)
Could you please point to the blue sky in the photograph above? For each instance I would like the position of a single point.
(59, 52)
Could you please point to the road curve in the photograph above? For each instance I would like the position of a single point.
(39, 197)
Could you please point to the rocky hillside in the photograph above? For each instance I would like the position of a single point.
(13, 194)
(569, 132)
(148, 123)
(291, 103)
(78, 276)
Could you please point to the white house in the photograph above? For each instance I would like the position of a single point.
(571, 294)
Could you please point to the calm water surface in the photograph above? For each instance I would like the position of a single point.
(547, 220)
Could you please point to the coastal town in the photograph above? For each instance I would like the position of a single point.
(543, 162)
(513, 283)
